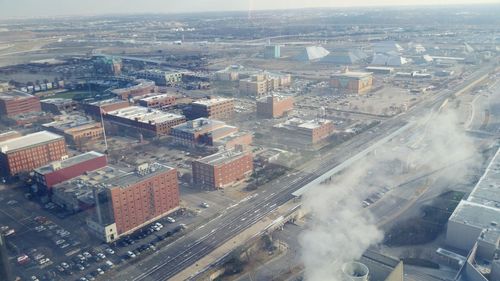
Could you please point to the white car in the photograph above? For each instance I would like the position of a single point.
(100, 271)
(109, 251)
(205, 205)
(170, 219)
(87, 255)
(34, 278)
(101, 255)
(130, 254)
(60, 241)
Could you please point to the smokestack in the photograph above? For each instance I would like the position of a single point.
(354, 271)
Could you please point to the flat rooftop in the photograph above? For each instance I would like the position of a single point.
(28, 140)
(212, 101)
(221, 157)
(297, 123)
(73, 121)
(145, 115)
(14, 94)
(200, 124)
(108, 101)
(57, 101)
(158, 97)
(276, 96)
(482, 207)
(352, 74)
(70, 162)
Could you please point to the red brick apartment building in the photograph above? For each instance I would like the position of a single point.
(15, 102)
(96, 108)
(56, 172)
(274, 106)
(213, 108)
(141, 88)
(222, 169)
(134, 199)
(26, 153)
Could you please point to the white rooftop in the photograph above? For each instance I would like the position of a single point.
(28, 140)
(145, 115)
(212, 101)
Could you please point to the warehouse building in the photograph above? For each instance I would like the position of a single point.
(161, 101)
(213, 108)
(147, 121)
(47, 176)
(352, 82)
(96, 108)
(222, 169)
(13, 103)
(23, 154)
(300, 133)
(274, 106)
(76, 129)
(209, 132)
(59, 106)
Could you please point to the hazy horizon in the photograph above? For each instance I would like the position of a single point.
(54, 8)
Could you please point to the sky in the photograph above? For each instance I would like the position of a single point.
(47, 8)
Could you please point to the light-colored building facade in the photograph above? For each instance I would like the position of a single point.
(352, 82)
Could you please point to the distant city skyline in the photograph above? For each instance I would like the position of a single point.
(49, 8)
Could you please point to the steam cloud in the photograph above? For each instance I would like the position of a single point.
(340, 229)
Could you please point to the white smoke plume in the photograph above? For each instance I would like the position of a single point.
(340, 229)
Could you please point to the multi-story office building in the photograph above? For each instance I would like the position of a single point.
(303, 133)
(141, 87)
(222, 169)
(96, 108)
(15, 102)
(77, 129)
(161, 101)
(213, 108)
(161, 77)
(26, 153)
(263, 83)
(274, 106)
(58, 105)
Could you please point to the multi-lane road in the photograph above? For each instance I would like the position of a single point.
(197, 243)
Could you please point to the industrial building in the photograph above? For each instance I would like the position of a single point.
(204, 131)
(222, 169)
(274, 106)
(213, 108)
(160, 101)
(128, 200)
(262, 84)
(15, 102)
(47, 176)
(147, 121)
(474, 228)
(23, 154)
(140, 87)
(300, 133)
(107, 65)
(352, 82)
(58, 106)
(380, 69)
(160, 77)
(76, 129)
(96, 108)
(344, 57)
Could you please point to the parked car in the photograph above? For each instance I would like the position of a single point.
(170, 219)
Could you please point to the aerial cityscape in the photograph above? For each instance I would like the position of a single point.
(250, 141)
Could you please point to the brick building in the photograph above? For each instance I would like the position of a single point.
(274, 106)
(26, 153)
(213, 108)
(148, 121)
(96, 108)
(204, 131)
(222, 169)
(15, 102)
(128, 201)
(56, 172)
(300, 133)
(58, 105)
(161, 101)
(140, 87)
(77, 130)
(352, 82)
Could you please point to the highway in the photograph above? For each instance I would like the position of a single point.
(197, 243)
